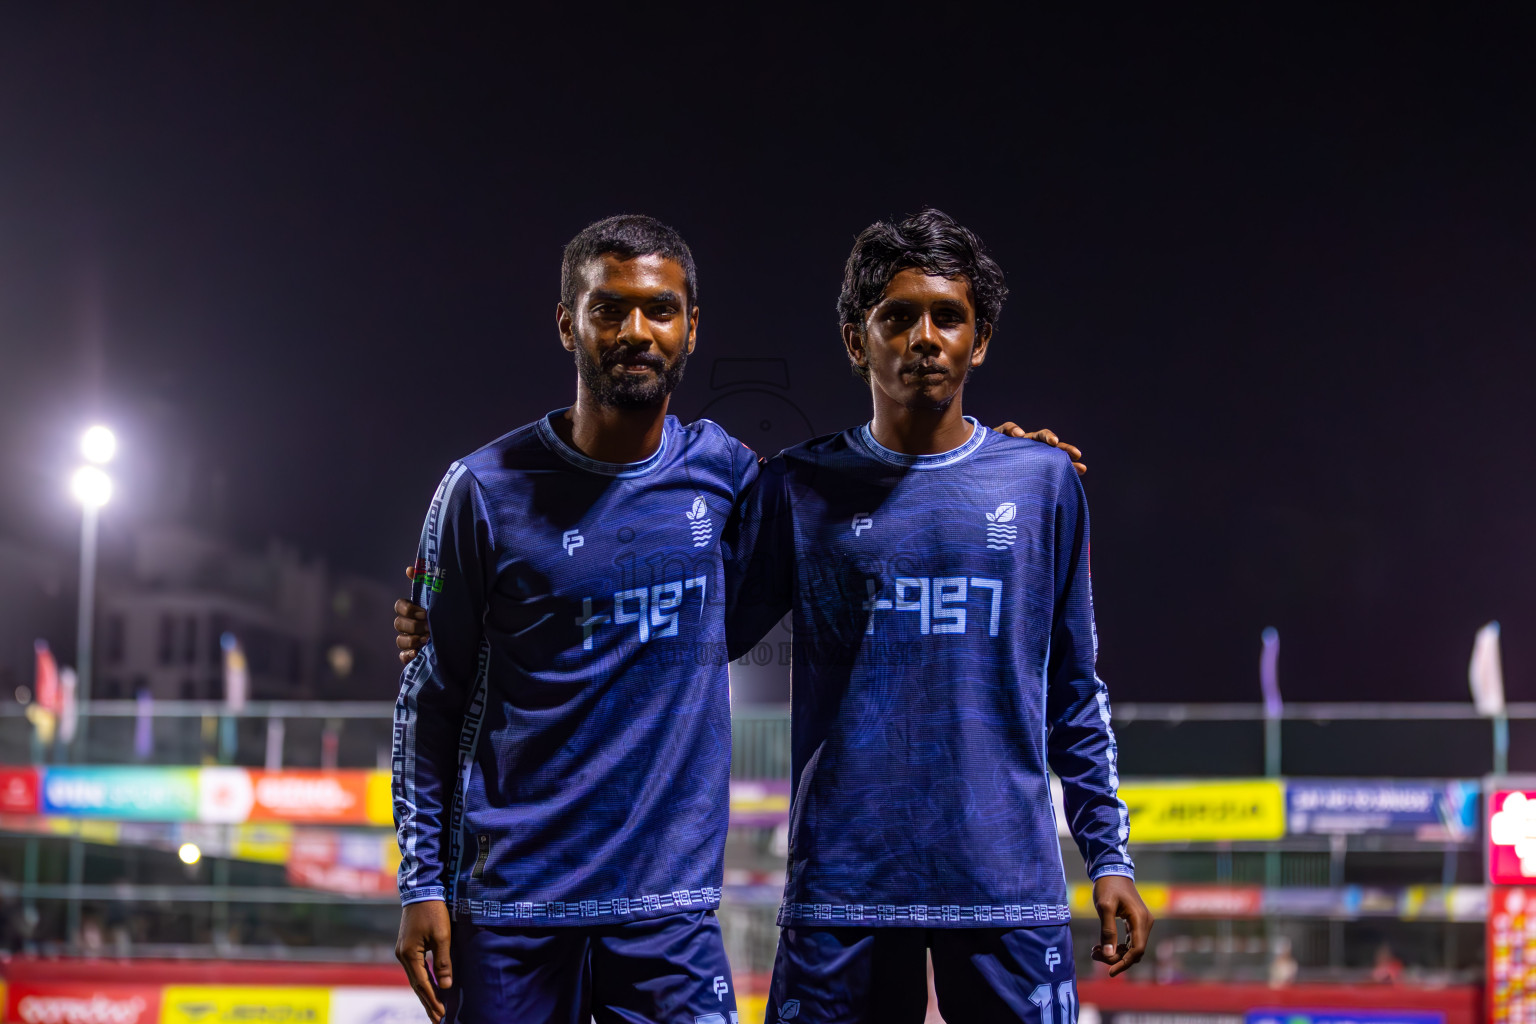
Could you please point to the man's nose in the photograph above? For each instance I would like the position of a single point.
(636, 329)
(924, 336)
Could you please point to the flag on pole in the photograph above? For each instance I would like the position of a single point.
(68, 710)
(1269, 672)
(44, 709)
(237, 678)
(1485, 672)
(45, 686)
(144, 725)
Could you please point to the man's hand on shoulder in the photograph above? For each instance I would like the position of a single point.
(410, 625)
(425, 928)
(1116, 899)
(1045, 436)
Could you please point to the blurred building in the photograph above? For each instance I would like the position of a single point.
(308, 632)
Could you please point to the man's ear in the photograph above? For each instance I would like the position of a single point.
(693, 329)
(566, 326)
(983, 338)
(853, 341)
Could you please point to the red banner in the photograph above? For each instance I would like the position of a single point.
(1215, 901)
(81, 1002)
(1511, 968)
(341, 878)
(336, 798)
(18, 790)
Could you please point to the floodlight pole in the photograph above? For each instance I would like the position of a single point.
(88, 522)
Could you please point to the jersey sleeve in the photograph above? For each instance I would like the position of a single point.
(1080, 742)
(758, 546)
(452, 562)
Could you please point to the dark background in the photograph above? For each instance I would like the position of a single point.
(1272, 271)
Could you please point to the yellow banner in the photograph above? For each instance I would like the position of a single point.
(265, 842)
(1205, 812)
(1080, 898)
(249, 1004)
(379, 805)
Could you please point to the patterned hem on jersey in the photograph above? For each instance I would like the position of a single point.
(1007, 913)
(1123, 870)
(706, 898)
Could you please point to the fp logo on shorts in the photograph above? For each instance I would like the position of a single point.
(721, 988)
(571, 540)
(861, 522)
(1052, 958)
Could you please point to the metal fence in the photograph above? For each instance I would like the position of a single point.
(1170, 740)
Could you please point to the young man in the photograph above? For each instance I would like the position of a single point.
(561, 755)
(562, 751)
(944, 652)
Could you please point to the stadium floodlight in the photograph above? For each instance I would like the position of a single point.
(91, 487)
(98, 444)
(189, 854)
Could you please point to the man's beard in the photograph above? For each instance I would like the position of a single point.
(625, 391)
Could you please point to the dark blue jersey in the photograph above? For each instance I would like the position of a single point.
(562, 745)
(944, 653)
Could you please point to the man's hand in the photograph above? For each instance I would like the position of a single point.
(1115, 898)
(410, 625)
(424, 928)
(1045, 436)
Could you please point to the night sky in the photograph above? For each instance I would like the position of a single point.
(1276, 275)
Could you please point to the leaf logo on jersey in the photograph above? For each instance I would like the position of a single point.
(789, 1010)
(1000, 533)
(699, 524)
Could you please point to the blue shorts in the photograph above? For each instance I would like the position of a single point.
(869, 975)
(665, 970)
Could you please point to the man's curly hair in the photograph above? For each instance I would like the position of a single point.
(931, 241)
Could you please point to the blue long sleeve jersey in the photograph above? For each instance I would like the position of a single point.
(562, 744)
(944, 651)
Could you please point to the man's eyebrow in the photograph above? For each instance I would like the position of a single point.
(669, 296)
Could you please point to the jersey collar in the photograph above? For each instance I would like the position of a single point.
(619, 469)
(866, 439)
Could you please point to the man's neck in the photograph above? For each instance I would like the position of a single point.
(609, 434)
(922, 431)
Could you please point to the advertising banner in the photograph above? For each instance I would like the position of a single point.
(1192, 812)
(334, 798)
(1215, 901)
(138, 794)
(760, 803)
(18, 790)
(251, 1004)
(81, 1002)
(1429, 811)
(1511, 965)
(1289, 1016)
(375, 1005)
(1512, 837)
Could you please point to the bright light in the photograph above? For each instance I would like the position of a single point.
(189, 853)
(91, 486)
(98, 445)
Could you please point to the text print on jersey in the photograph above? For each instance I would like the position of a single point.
(652, 610)
(939, 601)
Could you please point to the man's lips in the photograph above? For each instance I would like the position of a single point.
(641, 365)
(926, 370)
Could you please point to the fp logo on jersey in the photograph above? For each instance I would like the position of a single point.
(1052, 958)
(699, 523)
(721, 988)
(861, 522)
(571, 540)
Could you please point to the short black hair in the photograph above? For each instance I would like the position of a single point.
(626, 236)
(931, 241)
